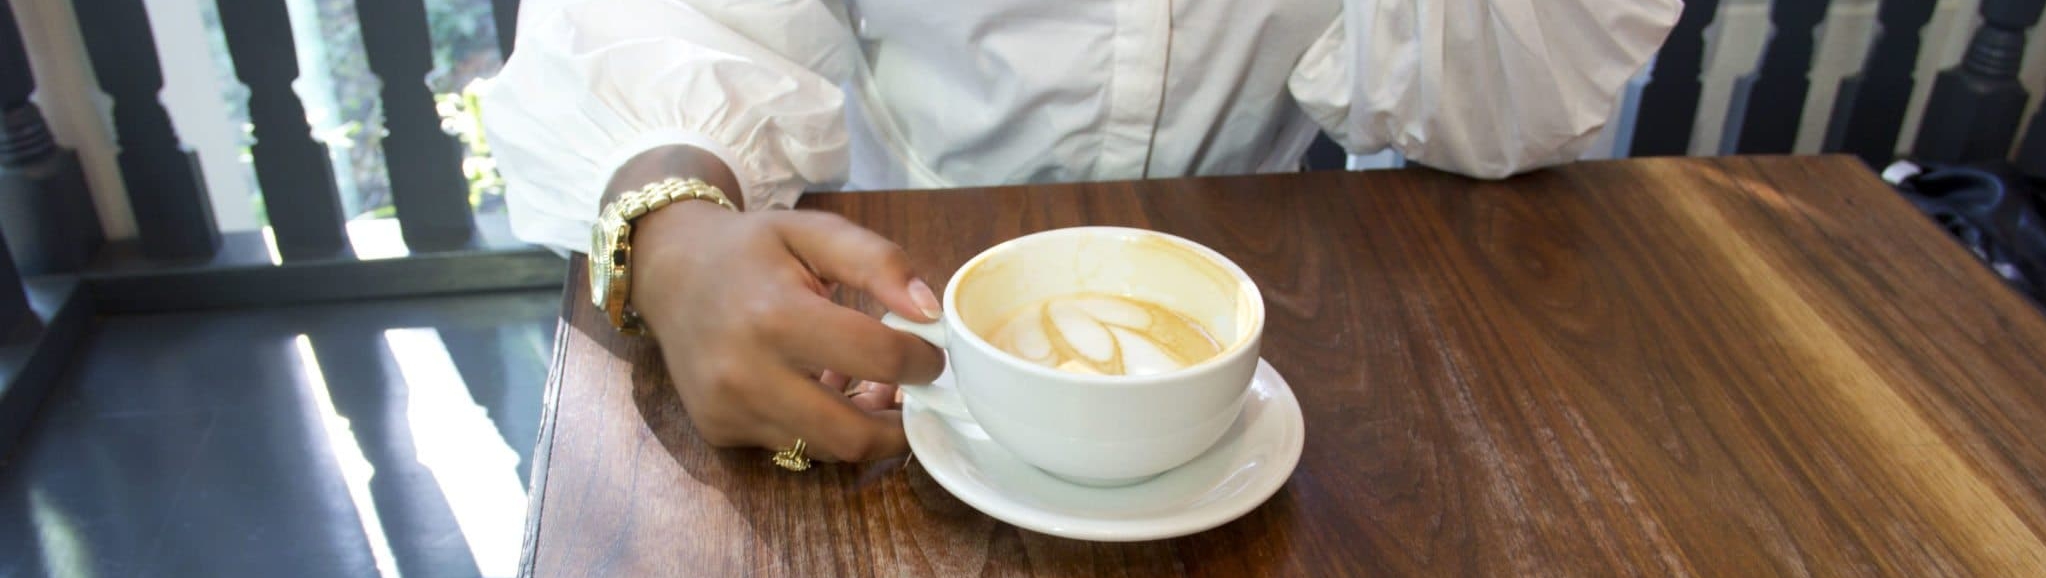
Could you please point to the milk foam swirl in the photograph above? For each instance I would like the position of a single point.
(1104, 334)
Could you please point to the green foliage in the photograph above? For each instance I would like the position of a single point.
(461, 113)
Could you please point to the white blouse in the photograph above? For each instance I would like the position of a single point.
(874, 94)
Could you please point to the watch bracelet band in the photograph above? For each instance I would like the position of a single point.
(636, 203)
(647, 199)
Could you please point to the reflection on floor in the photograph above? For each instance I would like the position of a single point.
(384, 438)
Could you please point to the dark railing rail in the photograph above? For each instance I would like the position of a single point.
(182, 261)
(56, 273)
(429, 192)
(1972, 116)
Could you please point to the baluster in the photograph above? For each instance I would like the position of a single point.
(16, 84)
(298, 185)
(1974, 109)
(1871, 105)
(46, 210)
(45, 206)
(1768, 105)
(13, 297)
(506, 12)
(2031, 158)
(1669, 104)
(427, 186)
(165, 188)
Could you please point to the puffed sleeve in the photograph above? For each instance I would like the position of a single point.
(592, 83)
(1487, 88)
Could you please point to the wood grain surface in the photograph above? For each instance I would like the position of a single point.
(1744, 366)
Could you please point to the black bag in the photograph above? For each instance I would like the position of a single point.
(1991, 210)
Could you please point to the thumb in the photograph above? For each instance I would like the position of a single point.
(843, 252)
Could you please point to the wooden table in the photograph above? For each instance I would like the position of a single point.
(1694, 366)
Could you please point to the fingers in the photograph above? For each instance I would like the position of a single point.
(873, 396)
(869, 396)
(834, 380)
(836, 424)
(843, 252)
(831, 425)
(853, 344)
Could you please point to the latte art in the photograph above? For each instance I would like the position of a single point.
(1103, 334)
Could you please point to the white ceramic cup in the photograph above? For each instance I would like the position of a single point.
(1091, 429)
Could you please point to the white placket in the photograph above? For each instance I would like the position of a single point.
(1136, 89)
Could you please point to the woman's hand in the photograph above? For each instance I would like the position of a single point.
(740, 303)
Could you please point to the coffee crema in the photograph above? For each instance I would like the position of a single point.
(1103, 334)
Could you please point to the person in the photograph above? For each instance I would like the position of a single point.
(759, 100)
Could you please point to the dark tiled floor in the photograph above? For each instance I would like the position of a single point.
(208, 444)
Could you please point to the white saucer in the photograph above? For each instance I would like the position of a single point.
(1246, 467)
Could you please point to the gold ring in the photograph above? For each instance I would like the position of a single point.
(792, 459)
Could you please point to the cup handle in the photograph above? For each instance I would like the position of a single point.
(932, 333)
(944, 400)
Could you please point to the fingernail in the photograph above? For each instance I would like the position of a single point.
(925, 300)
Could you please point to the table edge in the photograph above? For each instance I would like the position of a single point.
(543, 443)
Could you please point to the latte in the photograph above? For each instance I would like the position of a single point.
(1099, 333)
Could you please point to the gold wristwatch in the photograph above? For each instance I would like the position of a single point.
(611, 243)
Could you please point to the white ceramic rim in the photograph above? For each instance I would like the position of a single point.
(957, 329)
(1200, 519)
